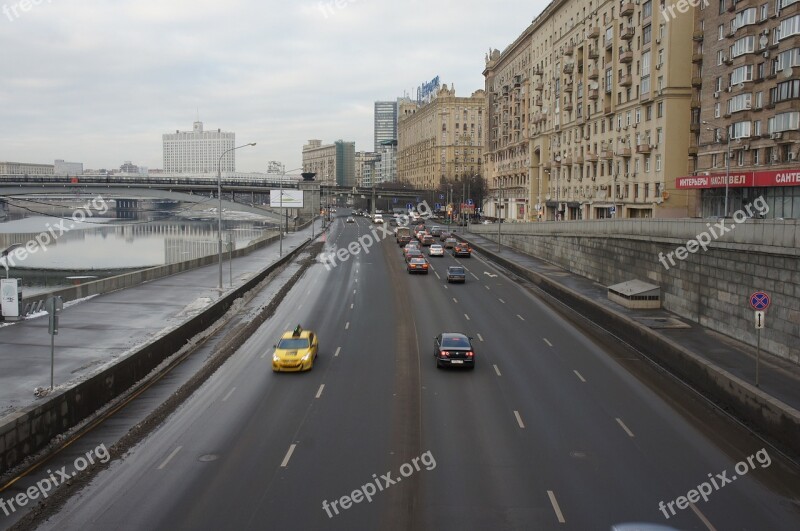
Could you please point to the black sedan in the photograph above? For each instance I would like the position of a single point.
(454, 350)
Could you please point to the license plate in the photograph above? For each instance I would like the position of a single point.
(456, 362)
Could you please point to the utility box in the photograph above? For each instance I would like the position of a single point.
(11, 298)
(636, 294)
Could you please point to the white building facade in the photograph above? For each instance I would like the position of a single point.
(198, 151)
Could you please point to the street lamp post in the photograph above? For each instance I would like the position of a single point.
(6, 253)
(219, 217)
(280, 202)
(727, 165)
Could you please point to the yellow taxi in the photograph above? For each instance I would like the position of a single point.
(296, 351)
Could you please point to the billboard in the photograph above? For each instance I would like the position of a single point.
(290, 199)
(426, 90)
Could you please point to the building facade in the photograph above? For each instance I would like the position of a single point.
(25, 168)
(365, 167)
(581, 109)
(745, 117)
(385, 127)
(198, 151)
(386, 166)
(334, 164)
(67, 168)
(441, 142)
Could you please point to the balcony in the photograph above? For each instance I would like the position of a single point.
(593, 33)
(627, 33)
(625, 56)
(568, 87)
(593, 94)
(569, 50)
(606, 154)
(591, 157)
(538, 101)
(695, 104)
(697, 81)
(539, 86)
(593, 53)
(594, 73)
(626, 81)
(697, 35)
(626, 9)
(607, 109)
(694, 128)
(579, 159)
(625, 152)
(693, 151)
(568, 106)
(609, 44)
(643, 148)
(697, 57)
(568, 68)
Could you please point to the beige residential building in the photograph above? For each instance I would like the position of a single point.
(334, 164)
(441, 141)
(25, 168)
(365, 167)
(581, 109)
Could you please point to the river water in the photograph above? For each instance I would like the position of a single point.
(74, 240)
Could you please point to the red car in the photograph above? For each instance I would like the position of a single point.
(417, 265)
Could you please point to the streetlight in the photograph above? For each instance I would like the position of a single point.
(219, 219)
(727, 165)
(6, 253)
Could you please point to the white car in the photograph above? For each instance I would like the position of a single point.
(435, 250)
(377, 219)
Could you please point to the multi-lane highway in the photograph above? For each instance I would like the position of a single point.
(550, 431)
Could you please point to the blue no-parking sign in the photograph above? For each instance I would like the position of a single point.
(759, 300)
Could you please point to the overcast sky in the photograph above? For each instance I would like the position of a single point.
(99, 82)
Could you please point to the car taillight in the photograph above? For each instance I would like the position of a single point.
(444, 353)
(470, 354)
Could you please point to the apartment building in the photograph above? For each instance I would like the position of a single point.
(745, 110)
(441, 141)
(581, 108)
(25, 168)
(334, 164)
(365, 167)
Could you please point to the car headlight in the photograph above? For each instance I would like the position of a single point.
(275, 357)
(305, 358)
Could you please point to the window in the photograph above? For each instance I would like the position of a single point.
(660, 109)
(764, 12)
(741, 102)
(758, 100)
(608, 80)
(638, 114)
(714, 160)
(784, 122)
(720, 57)
(647, 34)
(756, 157)
(717, 110)
(744, 18)
(721, 32)
(645, 73)
(788, 90)
(647, 9)
(789, 27)
(647, 163)
(742, 74)
(787, 59)
(721, 6)
(659, 136)
(743, 46)
(658, 162)
(648, 113)
(740, 157)
(756, 127)
(718, 85)
(740, 129)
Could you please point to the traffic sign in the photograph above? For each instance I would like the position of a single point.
(394, 200)
(470, 202)
(759, 320)
(759, 300)
(409, 206)
(613, 210)
(437, 206)
(441, 196)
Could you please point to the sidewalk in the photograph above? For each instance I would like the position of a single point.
(777, 377)
(101, 328)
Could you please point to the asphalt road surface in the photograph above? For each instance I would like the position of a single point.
(550, 431)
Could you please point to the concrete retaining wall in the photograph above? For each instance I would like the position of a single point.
(710, 287)
(27, 431)
(761, 411)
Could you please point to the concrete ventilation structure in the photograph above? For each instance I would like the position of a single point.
(636, 294)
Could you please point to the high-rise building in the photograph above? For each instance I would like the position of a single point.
(386, 167)
(442, 141)
(587, 114)
(334, 163)
(198, 151)
(385, 122)
(745, 108)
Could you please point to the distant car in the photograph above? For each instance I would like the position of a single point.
(435, 250)
(410, 247)
(427, 240)
(456, 274)
(444, 235)
(378, 218)
(449, 243)
(462, 249)
(414, 253)
(296, 351)
(350, 219)
(436, 230)
(417, 265)
(454, 350)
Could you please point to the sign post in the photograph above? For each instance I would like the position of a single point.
(759, 301)
(53, 305)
